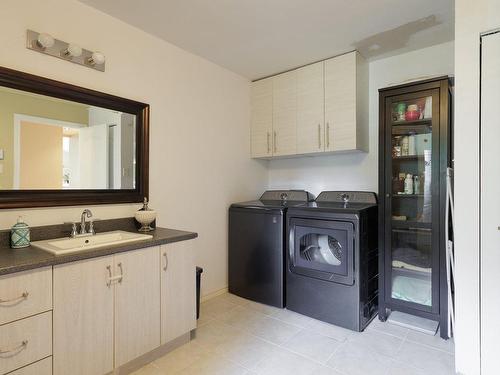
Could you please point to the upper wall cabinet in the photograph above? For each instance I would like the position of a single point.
(262, 118)
(310, 109)
(285, 114)
(315, 109)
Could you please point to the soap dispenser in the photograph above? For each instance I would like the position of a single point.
(19, 234)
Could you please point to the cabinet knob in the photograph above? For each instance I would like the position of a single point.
(388, 195)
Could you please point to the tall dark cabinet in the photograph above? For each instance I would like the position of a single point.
(414, 153)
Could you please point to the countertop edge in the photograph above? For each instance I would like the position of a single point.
(52, 260)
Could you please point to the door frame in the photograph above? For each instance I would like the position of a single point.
(18, 119)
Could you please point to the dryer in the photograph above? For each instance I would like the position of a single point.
(332, 258)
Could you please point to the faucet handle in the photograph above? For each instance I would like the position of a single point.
(74, 231)
(91, 227)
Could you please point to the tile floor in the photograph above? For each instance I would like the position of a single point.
(240, 337)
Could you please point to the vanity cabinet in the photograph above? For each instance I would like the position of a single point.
(137, 304)
(106, 311)
(178, 290)
(111, 310)
(319, 108)
(83, 317)
(25, 320)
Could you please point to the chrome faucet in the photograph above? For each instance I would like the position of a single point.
(86, 214)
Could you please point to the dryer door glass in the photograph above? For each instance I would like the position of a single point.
(322, 249)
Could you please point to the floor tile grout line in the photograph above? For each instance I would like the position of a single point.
(274, 316)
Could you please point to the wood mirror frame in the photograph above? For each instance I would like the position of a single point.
(45, 198)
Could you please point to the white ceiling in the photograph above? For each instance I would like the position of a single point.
(257, 38)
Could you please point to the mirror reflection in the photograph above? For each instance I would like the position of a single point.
(49, 143)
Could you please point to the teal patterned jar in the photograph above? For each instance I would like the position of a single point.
(20, 234)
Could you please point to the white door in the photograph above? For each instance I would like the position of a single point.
(262, 118)
(285, 114)
(490, 205)
(310, 109)
(93, 157)
(178, 290)
(83, 317)
(137, 304)
(340, 102)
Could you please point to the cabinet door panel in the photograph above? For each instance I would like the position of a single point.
(340, 102)
(310, 109)
(83, 318)
(262, 118)
(285, 114)
(178, 290)
(137, 304)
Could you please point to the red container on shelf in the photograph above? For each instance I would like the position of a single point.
(412, 115)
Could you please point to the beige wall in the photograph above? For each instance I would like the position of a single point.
(12, 103)
(41, 156)
(200, 142)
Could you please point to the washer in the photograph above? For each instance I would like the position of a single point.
(332, 258)
(256, 245)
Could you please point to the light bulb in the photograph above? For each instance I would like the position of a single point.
(72, 51)
(97, 58)
(45, 40)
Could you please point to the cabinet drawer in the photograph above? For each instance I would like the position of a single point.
(43, 367)
(24, 294)
(25, 341)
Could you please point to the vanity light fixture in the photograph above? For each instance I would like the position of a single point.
(97, 58)
(72, 51)
(44, 40)
(46, 44)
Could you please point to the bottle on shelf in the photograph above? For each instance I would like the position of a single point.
(409, 184)
(416, 185)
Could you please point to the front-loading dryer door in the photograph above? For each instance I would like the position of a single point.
(323, 249)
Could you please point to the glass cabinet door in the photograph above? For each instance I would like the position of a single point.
(411, 180)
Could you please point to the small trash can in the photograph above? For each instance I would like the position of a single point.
(199, 271)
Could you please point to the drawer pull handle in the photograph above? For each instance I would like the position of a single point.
(16, 349)
(20, 298)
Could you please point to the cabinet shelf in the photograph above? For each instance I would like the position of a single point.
(425, 121)
(409, 224)
(408, 195)
(407, 157)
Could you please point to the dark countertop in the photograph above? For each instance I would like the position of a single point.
(16, 260)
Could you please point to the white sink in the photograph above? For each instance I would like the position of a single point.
(66, 245)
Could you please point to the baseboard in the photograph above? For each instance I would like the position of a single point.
(208, 296)
(143, 360)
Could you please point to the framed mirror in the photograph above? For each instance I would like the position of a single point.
(64, 145)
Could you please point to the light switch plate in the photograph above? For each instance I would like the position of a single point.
(1, 153)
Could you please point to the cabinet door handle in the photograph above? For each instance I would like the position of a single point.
(319, 136)
(166, 261)
(120, 277)
(23, 296)
(17, 348)
(113, 278)
(268, 143)
(274, 142)
(108, 283)
(327, 135)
